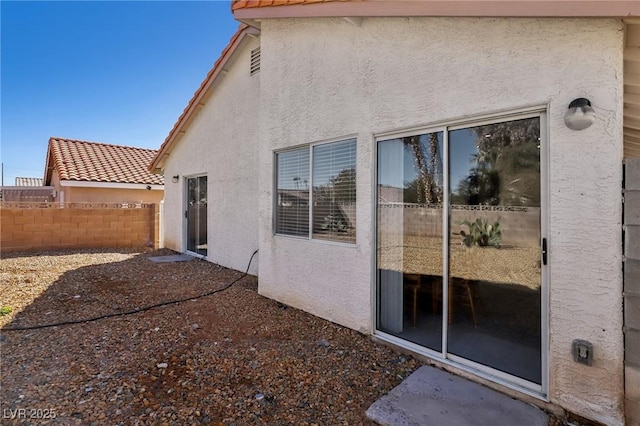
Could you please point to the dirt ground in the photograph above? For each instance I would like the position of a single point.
(231, 358)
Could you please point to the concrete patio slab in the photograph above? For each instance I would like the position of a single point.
(172, 258)
(432, 397)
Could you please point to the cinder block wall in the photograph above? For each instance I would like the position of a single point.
(24, 229)
(518, 227)
(632, 290)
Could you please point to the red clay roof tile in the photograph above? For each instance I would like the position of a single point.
(100, 162)
(247, 4)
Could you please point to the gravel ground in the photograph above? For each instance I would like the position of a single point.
(232, 358)
(229, 358)
(418, 255)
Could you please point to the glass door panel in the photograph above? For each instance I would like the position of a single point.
(196, 215)
(409, 237)
(494, 283)
(484, 224)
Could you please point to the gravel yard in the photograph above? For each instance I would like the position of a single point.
(230, 358)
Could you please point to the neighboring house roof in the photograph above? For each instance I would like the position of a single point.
(99, 162)
(27, 181)
(259, 9)
(197, 101)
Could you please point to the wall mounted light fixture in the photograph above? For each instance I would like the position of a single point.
(580, 114)
(175, 178)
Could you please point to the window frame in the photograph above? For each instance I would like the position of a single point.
(310, 147)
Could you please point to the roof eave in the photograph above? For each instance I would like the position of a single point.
(49, 165)
(111, 185)
(446, 8)
(196, 102)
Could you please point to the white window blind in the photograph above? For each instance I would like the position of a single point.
(330, 187)
(334, 191)
(292, 207)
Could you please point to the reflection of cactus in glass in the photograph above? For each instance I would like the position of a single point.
(482, 233)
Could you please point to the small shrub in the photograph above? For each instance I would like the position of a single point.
(5, 310)
(482, 233)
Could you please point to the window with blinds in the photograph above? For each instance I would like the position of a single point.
(317, 186)
(292, 207)
(334, 191)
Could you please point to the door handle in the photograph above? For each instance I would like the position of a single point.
(544, 251)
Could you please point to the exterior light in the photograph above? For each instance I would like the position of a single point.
(175, 178)
(580, 114)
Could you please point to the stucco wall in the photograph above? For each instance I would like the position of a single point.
(221, 143)
(111, 195)
(328, 78)
(55, 182)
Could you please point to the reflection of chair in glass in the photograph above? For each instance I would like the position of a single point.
(417, 284)
(462, 291)
(412, 283)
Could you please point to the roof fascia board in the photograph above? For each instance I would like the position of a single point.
(111, 185)
(448, 8)
(197, 101)
(49, 165)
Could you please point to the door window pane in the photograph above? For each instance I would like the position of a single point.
(494, 255)
(197, 215)
(409, 255)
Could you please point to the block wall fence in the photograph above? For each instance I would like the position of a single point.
(632, 290)
(49, 226)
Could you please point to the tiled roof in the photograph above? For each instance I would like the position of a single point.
(99, 162)
(191, 107)
(28, 181)
(247, 4)
(247, 10)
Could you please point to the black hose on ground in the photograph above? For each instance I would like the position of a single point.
(137, 310)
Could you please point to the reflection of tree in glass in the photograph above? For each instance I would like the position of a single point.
(329, 200)
(426, 188)
(507, 166)
(341, 188)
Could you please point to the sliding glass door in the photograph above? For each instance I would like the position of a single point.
(459, 263)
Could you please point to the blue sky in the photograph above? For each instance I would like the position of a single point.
(116, 72)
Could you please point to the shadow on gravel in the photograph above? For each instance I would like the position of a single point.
(68, 252)
(230, 358)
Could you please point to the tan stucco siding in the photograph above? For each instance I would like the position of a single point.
(327, 78)
(111, 195)
(222, 143)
